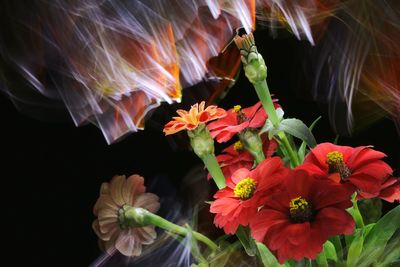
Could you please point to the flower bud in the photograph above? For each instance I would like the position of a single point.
(253, 62)
(253, 143)
(201, 141)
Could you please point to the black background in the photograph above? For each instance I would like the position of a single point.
(51, 172)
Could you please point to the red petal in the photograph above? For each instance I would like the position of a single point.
(224, 205)
(391, 190)
(204, 116)
(264, 220)
(240, 174)
(228, 120)
(251, 111)
(299, 183)
(326, 193)
(297, 233)
(363, 155)
(278, 201)
(259, 119)
(366, 183)
(269, 146)
(333, 221)
(377, 169)
(270, 172)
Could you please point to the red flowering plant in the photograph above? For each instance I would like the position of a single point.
(238, 202)
(236, 120)
(296, 221)
(362, 167)
(236, 156)
(286, 205)
(246, 123)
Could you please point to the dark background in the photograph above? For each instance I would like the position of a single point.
(52, 171)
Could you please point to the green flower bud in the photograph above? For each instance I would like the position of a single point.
(201, 141)
(252, 143)
(253, 62)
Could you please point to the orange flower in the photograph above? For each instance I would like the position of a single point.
(197, 115)
(110, 227)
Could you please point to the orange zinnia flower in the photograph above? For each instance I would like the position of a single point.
(197, 115)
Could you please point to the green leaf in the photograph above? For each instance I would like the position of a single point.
(269, 126)
(384, 229)
(330, 251)
(349, 238)
(377, 238)
(322, 260)
(337, 243)
(391, 253)
(355, 247)
(302, 149)
(248, 243)
(298, 129)
(267, 257)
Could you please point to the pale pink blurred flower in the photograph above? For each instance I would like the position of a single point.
(110, 228)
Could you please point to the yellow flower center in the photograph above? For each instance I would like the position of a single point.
(336, 164)
(298, 203)
(238, 146)
(300, 210)
(237, 108)
(334, 157)
(245, 188)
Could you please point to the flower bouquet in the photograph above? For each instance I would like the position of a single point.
(283, 199)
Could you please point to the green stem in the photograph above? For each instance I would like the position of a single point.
(266, 100)
(356, 212)
(153, 219)
(258, 156)
(211, 163)
(289, 149)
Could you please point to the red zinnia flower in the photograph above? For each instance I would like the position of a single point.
(235, 157)
(361, 166)
(237, 120)
(295, 222)
(390, 190)
(239, 201)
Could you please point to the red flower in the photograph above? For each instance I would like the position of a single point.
(361, 166)
(233, 158)
(295, 222)
(237, 120)
(390, 190)
(239, 201)
(236, 157)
